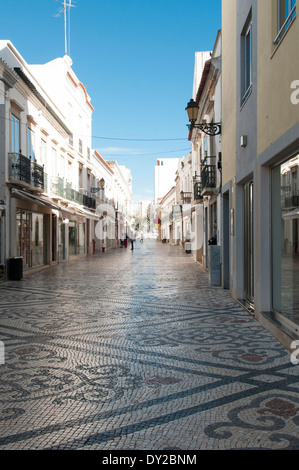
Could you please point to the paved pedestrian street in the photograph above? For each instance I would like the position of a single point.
(133, 350)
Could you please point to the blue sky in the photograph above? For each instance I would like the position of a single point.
(136, 60)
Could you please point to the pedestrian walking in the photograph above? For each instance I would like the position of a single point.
(132, 241)
(141, 238)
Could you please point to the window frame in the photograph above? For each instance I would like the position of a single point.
(15, 135)
(246, 60)
(31, 144)
(289, 16)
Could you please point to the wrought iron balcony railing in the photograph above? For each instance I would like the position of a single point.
(208, 176)
(89, 201)
(23, 171)
(291, 201)
(186, 197)
(197, 190)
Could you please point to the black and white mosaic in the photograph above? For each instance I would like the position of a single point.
(125, 350)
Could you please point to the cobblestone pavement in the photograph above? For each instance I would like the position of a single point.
(132, 350)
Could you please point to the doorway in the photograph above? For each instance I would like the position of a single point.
(248, 243)
(54, 237)
(226, 242)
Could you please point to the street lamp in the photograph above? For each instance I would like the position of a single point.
(208, 128)
(102, 184)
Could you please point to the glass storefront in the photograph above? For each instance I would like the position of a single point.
(77, 238)
(81, 238)
(72, 238)
(61, 240)
(285, 234)
(30, 238)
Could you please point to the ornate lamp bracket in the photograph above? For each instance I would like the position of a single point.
(212, 129)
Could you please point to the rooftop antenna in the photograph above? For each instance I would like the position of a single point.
(67, 25)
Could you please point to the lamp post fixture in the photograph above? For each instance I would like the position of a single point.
(96, 190)
(208, 128)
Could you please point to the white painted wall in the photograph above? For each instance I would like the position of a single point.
(165, 176)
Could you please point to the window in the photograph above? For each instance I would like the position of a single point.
(15, 134)
(30, 144)
(69, 171)
(43, 152)
(286, 12)
(205, 146)
(54, 162)
(285, 238)
(80, 176)
(61, 166)
(246, 61)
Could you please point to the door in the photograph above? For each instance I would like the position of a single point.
(23, 237)
(54, 237)
(226, 242)
(248, 243)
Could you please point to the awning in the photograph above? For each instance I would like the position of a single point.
(72, 212)
(67, 214)
(36, 199)
(90, 215)
(85, 212)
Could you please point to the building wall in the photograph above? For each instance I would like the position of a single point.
(167, 223)
(268, 118)
(164, 176)
(229, 79)
(277, 141)
(277, 69)
(61, 211)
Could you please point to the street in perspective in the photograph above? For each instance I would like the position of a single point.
(149, 228)
(123, 351)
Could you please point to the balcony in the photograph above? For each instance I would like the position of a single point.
(64, 190)
(89, 201)
(291, 201)
(25, 173)
(197, 190)
(208, 177)
(186, 197)
(58, 186)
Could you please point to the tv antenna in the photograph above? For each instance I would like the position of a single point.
(67, 25)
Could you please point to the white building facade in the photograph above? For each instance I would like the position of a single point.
(164, 176)
(206, 161)
(166, 215)
(52, 181)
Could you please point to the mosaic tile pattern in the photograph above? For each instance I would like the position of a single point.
(135, 351)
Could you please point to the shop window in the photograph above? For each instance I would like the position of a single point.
(30, 238)
(285, 236)
(72, 238)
